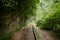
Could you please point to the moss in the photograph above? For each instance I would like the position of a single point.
(37, 35)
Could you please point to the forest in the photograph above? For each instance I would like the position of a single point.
(17, 14)
(50, 15)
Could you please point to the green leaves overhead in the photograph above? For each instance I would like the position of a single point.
(24, 7)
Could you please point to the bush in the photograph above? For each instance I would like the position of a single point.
(5, 36)
(50, 23)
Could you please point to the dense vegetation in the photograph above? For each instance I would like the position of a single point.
(50, 15)
(14, 14)
(12, 9)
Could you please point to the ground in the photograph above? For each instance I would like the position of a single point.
(27, 34)
(44, 34)
(24, 34)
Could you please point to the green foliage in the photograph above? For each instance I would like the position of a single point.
(6, 36)
(12, 9)
(37, 35)
(51, 22)
(51, 16)
(25, 9)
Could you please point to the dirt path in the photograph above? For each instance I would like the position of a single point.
(24, 34)
(27, 34)
(45, 35)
